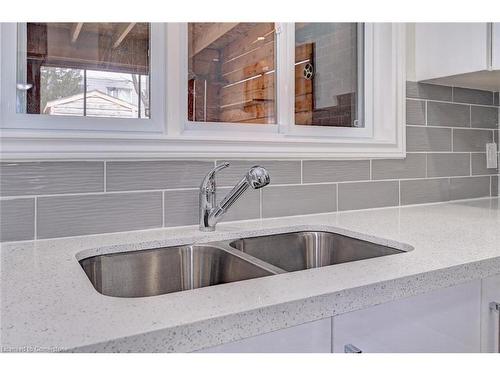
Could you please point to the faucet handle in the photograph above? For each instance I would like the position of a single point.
(208, 180)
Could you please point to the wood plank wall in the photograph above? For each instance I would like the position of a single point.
(240, 79)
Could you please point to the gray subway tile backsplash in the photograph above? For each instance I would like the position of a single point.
(39, 178)
(17, 219)
(415, 112)
(425, 191)
(449, 164)
(471, 140)
(462, 95)
(243, 209)
(448, 114)
(428, 91)
(484, 117)
(478, 161)
(298, 200)
(413, 166)
(445, 161)
(335, 170)
(359, 195)
(180, 207)
(154, 175)
(427, 139)
(469, 187)
(74, 215)
(281, 172)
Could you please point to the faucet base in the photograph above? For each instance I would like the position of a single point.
(207, 229)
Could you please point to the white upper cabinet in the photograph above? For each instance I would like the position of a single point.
(458, 54)
(495, 43)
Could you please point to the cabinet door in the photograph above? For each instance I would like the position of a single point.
(490, 318)
(446, 320)
(314, 337)
(445, 49)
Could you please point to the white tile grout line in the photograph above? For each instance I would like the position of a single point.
(452, 102)
(452, 143)
(105, 176)
(260, 203)
(163, 209)
(35, 215)
(426, 106)
(337, 197)
(302, 171)
(470, 164)
(426, 165)
(470, 116)
(399, 193)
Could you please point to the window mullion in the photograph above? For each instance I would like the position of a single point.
(285, 76)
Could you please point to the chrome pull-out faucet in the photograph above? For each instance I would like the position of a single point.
(210, 213)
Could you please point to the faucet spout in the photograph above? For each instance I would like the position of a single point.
(210, 213)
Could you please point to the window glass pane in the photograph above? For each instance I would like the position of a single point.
(327, 66)
(231, 72)
(84, 69)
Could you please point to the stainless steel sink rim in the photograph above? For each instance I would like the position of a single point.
(228, 253)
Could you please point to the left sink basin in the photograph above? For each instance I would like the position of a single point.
(166, 270)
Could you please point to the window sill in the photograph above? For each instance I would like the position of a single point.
(37, 145)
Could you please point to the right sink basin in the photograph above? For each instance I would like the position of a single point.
(301, 250)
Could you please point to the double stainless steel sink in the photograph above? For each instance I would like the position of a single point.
(171, 269)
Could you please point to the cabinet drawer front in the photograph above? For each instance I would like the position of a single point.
(314, 337)
(446, 320)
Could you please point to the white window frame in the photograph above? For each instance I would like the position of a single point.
(173, 136)
(10, 119)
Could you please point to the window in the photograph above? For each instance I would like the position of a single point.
(328, 74)
(83, 69)
(231, 76)
(204, 89)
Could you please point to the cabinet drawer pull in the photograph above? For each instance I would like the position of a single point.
(495, 306)
(349, 348)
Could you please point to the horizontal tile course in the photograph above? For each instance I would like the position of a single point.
(335, 170)
(469, 187)
(413, 166)
(74, 215)
(298, 200)
(448, 114)
(471, 140)
(425, 191)
(415, 112)
(484, 117)
(156, 174)
(17, 219)
(427, 139)
(471, 96)
(428, 91)
(39, 178)
(359, 195)
(479, 165)
(452, 164)
(281, 172)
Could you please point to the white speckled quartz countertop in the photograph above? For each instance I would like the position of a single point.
(48, 303)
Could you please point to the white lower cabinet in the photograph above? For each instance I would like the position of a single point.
(490, 316)
(446, 320)
(314, 337)
(457, 319)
